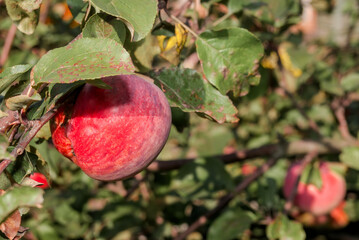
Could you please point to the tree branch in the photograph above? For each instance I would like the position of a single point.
(300, 147)
(20, 147)
(338, 106)
(7, 46)
(226, 199)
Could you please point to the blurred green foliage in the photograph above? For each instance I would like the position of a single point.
(305, 77)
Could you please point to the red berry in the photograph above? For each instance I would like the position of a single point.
(39, 177)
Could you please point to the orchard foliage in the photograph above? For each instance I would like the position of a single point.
(254, 86)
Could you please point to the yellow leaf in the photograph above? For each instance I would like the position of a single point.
(181, 36)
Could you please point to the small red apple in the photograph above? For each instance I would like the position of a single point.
(311, 199)
(248, 169)
(112, 134)
(39, 177)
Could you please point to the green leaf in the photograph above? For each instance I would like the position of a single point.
(234, 6)
(350, 82)
(24, 14)
(267, 193)
(21, 101)
(311, 175)
(350, 156)
(325, 75)
(19, 197)
(230, 59)
(98, 26)
(186, 89)
(231, 224)
(11, 74)
(4, 144)
(138, 15)
(78, 9)
(23, 167)
(5, 182)
(284, 229)
(84, 59)
(201, 178)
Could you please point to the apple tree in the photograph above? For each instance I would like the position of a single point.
(263, 119)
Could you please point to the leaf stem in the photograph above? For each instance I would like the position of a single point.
(88, 11)
(221, 19)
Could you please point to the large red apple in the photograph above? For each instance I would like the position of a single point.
(112, 134)
(311, 199)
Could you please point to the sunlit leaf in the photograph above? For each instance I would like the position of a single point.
(98, 26)
(138, 15)
(84, 59)
(230, 59)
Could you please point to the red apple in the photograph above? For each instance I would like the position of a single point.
(248, 169)
(40, 178)
(112, 134)
(311, 199)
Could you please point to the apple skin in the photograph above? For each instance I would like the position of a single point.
(112, 134)
(311, 199)
(39, 177)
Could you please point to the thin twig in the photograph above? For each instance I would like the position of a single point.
(226, 199)
(184, 26)
(117, 188)
(339, 112)
(143, 187)
(303, 163)
(88, 11)
(7, 45)
(139, 180)
(221, 19)
(44, 11)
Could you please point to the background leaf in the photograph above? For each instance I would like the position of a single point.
(231, 224)
(19, 197)
(283, 229)
(230, 59)
(11, 74)
(186, 89)
(139, 15)
(350, 82)
(24, 14)
(350, 156)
